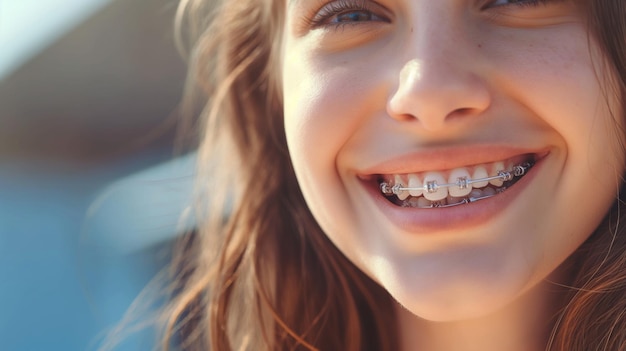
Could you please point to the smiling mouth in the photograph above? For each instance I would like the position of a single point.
(455, 187)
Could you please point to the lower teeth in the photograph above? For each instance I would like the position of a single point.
(475, 195)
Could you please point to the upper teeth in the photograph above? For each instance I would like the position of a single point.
(435, 186)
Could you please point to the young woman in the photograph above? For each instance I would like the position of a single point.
(407, 175)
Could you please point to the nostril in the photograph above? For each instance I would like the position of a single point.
(462, 113)
(406, 118)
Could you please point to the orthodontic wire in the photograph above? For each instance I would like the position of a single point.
(462, 182)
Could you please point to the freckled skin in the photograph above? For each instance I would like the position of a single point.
(446, 73)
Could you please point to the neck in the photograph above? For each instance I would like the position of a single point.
(524, 325)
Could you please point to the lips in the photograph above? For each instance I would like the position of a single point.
(416, 212)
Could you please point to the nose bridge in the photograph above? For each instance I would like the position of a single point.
(438, 79)
(431, 37)
(434, 40)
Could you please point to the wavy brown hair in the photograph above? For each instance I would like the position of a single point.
(259, 274)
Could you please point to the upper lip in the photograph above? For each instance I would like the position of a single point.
(440, 159)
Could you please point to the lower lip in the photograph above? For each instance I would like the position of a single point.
(431, 220)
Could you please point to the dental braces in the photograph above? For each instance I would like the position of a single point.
(462, 183)
(465, 200)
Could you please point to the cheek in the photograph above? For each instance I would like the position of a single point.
(329, 95)
(563, 85)
(315, 127)
(325, 104)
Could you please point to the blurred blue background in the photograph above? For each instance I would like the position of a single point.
(91, 194)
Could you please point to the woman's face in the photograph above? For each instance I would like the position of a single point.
(418, 91)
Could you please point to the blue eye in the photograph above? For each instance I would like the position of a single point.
(498, 3)
(346, 12)
(354, 16)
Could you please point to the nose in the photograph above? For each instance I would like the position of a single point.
(440, 82)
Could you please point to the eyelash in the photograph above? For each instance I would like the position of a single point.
(335, 8)
(321, 17)
(530, 3)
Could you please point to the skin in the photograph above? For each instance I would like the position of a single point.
(417, 77)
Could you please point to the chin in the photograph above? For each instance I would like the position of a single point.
(440, 290)
(459, 304)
